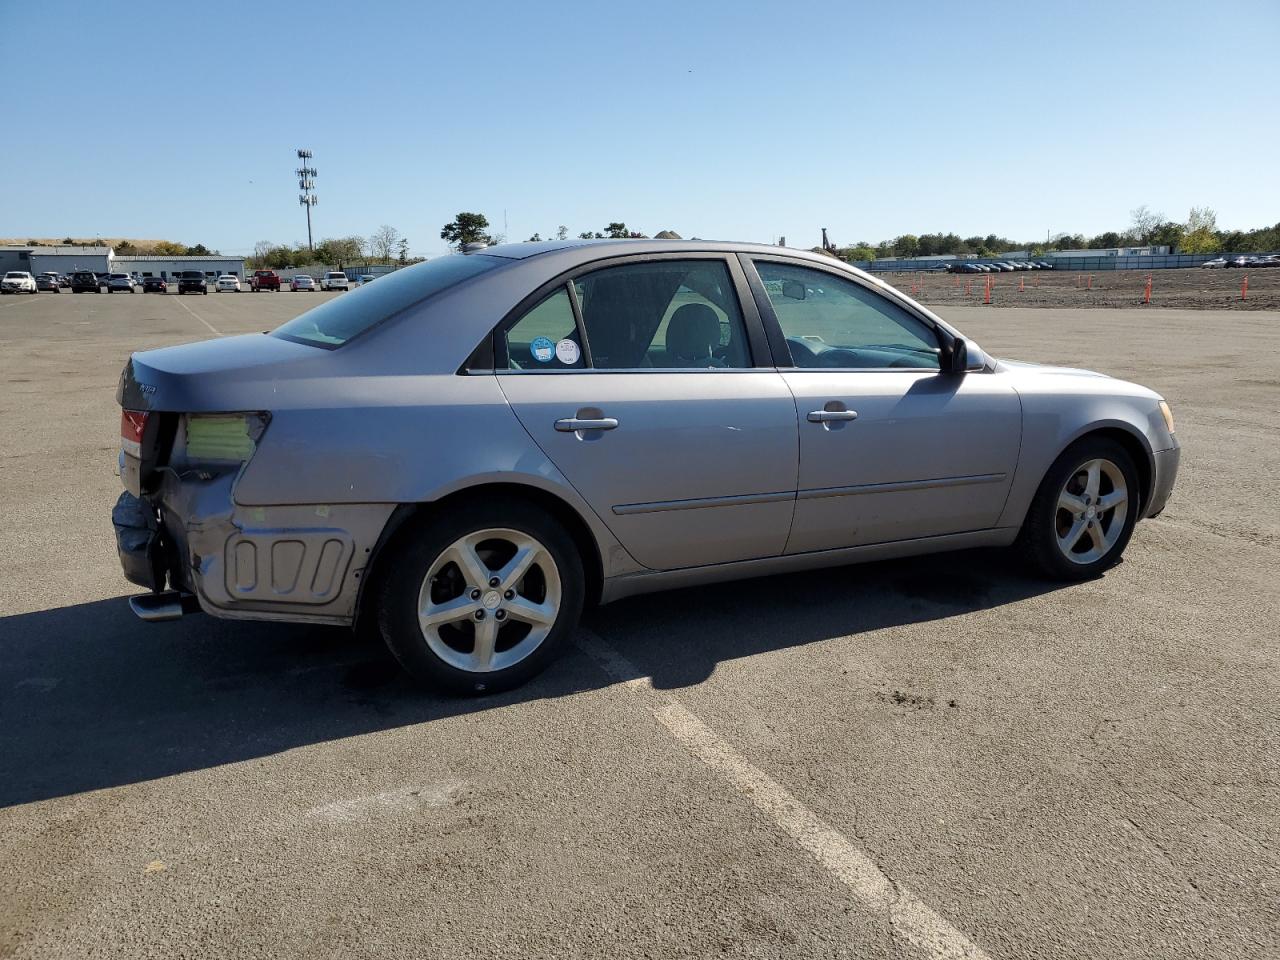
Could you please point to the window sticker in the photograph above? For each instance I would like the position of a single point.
(567, 352)
(542, 349)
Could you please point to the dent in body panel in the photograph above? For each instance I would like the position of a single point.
(297, 562)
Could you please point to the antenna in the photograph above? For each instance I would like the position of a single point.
(307, 184)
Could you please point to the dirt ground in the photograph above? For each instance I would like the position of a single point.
(1193, 288)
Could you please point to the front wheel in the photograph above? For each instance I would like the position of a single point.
(1083, 514)
(482, 598)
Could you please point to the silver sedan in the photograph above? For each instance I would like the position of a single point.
(472, 449)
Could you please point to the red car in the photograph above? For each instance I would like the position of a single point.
(264, 280)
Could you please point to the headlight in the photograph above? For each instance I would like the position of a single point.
(1167, 414)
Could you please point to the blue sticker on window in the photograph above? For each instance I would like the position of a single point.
(542, 349)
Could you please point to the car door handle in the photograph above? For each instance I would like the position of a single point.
(574, 424)
(825, 416)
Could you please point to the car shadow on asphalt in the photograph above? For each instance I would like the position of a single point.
(92, 698)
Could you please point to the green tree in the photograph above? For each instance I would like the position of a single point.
(124, 246)
(1167, 234)
(616, 231)
(466, 228)
(907, 245)
(534, 239)
(67, 241)
(199, 250)
(562, 232)
(588, 235)
(403, 250)
(859, 251)
(167, 248)
(1201, 234)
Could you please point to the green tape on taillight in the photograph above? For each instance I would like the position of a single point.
(220, 437)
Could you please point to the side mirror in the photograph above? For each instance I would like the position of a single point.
(793, 289)
(955, 357)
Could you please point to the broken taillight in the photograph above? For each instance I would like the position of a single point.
(133, 423)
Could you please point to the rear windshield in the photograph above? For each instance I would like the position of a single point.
(192, 275)
(334, 323)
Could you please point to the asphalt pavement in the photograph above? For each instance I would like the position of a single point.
(931, 758)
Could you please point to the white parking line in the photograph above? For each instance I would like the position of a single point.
(910, 919)
(196, 315)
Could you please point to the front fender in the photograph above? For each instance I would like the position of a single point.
(1053, 423)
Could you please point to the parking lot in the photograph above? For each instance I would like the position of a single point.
(929, 758)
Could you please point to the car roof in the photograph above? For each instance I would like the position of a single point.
(522, 251)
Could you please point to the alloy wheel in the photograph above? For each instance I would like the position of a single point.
(489, 600)
(1091, 511)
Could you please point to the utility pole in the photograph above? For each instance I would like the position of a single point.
(307, 184)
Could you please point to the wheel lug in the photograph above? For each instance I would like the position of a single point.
(475, 594)
(500, 615)
(494, 581)
(479, 614)
(509, 595)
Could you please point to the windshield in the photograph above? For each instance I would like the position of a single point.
(334, 323)
(14, 275)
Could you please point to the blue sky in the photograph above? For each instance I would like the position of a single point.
(722, 120)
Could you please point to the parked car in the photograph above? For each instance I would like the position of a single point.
(18, 281)
(46, 282)
(119, 281)
(85, 281)
(227, 283)
(1045, 264)
(154, 285)
(192, 281)
(334, 280)
(1271, 260)
(303, 282)
(64, 281)
(366, 278)
(597, 446)
(264, 280)
(1217, 263)
(1241, 261)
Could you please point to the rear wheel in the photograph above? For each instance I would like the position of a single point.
(1083, 514)
(482, 598)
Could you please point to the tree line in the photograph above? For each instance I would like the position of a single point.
(127, 248)
(385, 245)
(1199, 234)
(469, 227)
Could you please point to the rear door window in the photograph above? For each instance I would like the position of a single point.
(664, 314)
(546, 337)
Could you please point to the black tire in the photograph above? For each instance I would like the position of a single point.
(414, 551)
(1039, 537)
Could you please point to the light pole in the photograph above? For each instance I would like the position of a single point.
(307, 184)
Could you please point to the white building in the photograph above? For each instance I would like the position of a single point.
(68, 259)
(167, 267)
(60, 259)
(1157, 251)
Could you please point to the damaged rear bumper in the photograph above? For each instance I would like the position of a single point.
(138, 542)
(301, 563)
